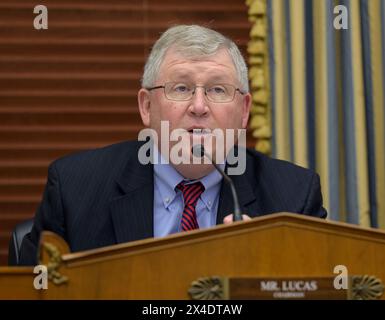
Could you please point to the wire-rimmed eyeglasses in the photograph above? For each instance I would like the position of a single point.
(218, 93)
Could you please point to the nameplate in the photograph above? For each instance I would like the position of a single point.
(295, 288)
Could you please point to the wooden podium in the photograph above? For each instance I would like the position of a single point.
(221, 262)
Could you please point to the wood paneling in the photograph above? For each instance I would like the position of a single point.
(73, 86)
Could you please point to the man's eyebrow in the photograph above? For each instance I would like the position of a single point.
(181, 74)
(218, 78)
(186, 76)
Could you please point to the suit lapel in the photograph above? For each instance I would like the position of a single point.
(132, 212)
(246, 195)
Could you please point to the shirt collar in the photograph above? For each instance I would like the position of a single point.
(167, 178)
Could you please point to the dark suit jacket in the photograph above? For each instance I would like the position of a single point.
(105, 196)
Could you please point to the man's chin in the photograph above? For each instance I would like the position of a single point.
(194, 171)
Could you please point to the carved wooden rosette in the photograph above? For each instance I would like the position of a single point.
(365, 288)
(209, 288)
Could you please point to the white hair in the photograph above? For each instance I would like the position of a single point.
(193, 41)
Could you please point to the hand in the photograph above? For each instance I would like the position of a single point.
(229, 219)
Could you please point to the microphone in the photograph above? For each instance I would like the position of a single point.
(199, 151)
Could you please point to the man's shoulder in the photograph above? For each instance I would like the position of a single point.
(108, 156)
(264, 164)
(281, 186)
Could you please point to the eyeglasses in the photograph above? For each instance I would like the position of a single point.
(218, 93)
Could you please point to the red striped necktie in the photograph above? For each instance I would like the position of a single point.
(191, 193)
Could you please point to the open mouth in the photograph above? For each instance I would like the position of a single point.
(199, 131)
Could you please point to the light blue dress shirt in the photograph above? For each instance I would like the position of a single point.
(169, 204)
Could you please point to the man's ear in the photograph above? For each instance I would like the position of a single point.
(246, 109)
(144, 106)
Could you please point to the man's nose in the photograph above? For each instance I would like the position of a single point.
(199, 105)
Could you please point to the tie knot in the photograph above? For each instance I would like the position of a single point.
(191, 192)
